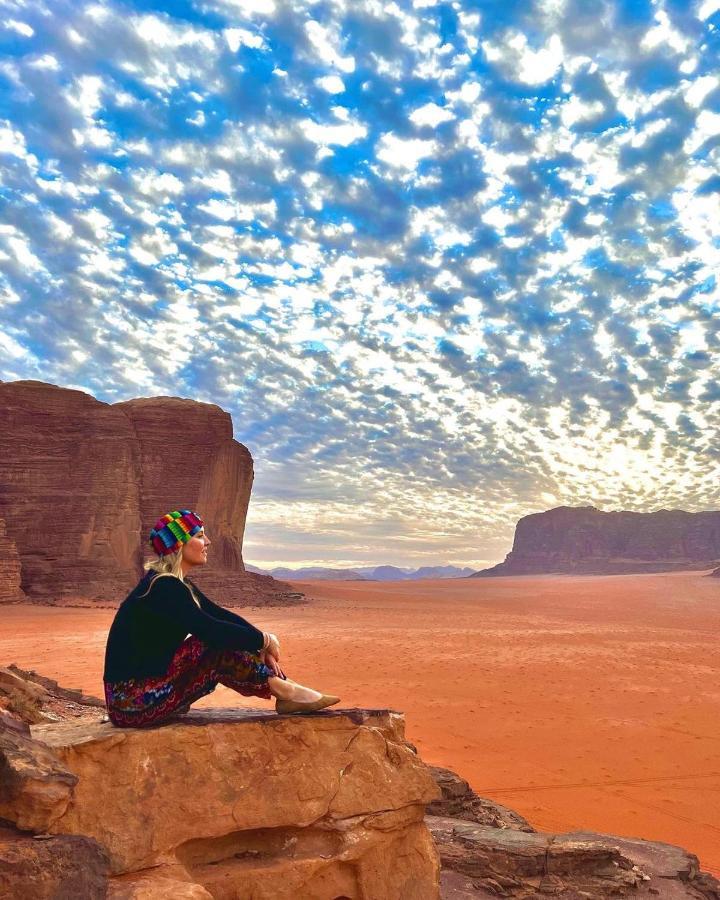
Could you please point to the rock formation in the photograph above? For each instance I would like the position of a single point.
(480, 862)
(187, 450)
(82, 482)
(585, 540)
(488, 851)
(10, 588)
(68, 476)
(459, 801)
(231, 803)
(66, 867)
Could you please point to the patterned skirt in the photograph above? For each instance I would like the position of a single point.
(195, 670)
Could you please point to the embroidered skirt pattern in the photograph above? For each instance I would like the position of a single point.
(195, 670)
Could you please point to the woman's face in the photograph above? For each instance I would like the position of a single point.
(194, 551)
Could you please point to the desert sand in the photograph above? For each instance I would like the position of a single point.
(581, 702)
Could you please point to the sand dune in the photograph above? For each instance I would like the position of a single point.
(582, 702)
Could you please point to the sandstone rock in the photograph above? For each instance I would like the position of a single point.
(10, 589)
(13, 681)
(66, 867)
(188, 458)
(483, 862)
(387, 856)
(35, 788)
(69, 472)
(49, 687)
(459, 801)
(584, 540)
(254, 805)
(13, 722)
(28, 698)
(20, 697)
(160, 883)
(73, 468)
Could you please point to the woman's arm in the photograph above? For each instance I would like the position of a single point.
(171, 598)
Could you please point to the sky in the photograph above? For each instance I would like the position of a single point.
(445, 263)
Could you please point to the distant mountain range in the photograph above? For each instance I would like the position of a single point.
(364, 573)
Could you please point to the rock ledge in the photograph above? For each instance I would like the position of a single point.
(235, 804)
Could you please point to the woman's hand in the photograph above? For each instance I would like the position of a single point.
(272, 663)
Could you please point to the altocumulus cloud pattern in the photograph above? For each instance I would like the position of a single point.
(446, 263)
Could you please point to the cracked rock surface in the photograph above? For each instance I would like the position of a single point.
(480, 861)
(248, 804)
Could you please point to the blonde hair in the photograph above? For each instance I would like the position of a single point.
(170, 564)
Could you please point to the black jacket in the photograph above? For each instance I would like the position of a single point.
(156, 617)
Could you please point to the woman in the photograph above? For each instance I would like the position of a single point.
(169, 644)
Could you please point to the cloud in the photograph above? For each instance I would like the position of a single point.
(440, 264)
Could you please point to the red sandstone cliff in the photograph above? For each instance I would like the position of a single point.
(585, 540)
(188, 459)
(82, 482)
(9, 568)
(68, 478)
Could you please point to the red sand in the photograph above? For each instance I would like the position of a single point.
(583, 703)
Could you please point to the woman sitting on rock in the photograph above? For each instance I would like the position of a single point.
(169, 645)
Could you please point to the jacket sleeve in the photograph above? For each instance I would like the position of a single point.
(172, 599)
(219, 612)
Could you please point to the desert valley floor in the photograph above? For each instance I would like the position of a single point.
(581, 702)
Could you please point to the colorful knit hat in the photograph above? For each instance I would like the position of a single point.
(172, 530)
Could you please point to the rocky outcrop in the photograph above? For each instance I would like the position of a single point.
(585, 540)
(27, 698)
(66, 867)
(459, 801)
(716, 573)
(35, 787)
(82, 482)
(481, 862)
(235, 803)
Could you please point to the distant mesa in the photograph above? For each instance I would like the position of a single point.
(365, 573)
(82, 482)
(587, 541)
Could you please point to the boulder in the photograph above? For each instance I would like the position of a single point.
(21, 697)
(245, 804)
(484, 862)
(27, 698)
(63, 867)
(459, 801)
(35, 787)
(585, 540)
